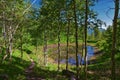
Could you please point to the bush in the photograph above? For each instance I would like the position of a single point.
(101, 44)
(28, 48)
(21, 77)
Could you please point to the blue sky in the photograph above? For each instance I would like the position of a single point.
(102, 7)
(37, 3)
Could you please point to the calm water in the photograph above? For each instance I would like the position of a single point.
(72, 61)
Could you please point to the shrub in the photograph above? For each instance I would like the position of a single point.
(101, 44)
(28, 48)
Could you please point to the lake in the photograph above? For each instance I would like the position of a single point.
(72, 61)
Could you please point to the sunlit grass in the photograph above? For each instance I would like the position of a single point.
(49, 71)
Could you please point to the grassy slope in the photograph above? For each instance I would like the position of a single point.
(15, 70)
(101, 69)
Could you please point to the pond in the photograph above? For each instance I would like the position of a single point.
(72, 61)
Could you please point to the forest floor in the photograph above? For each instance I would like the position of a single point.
(100, 66)
(32, 67)
(29, 71)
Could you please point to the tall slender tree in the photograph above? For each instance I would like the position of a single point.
(14, 12)
(85, 31)
(114, 40)
(45, 46)
(67, 51)
(76, 39)
(58, 47)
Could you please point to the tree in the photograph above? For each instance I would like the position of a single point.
(114, 40)
(11, 16)
(76, 39)
(68, 18)
(118, 37)
(58, 47)
(68, 29)
(85, 29)
(14, 15)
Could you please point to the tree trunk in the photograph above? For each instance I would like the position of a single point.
(4, 37)
(21, 39)
(45, 47)
(76, 40)
(58, 47)
(68, 29)
(4, 29)
(10, 42)
(36, 46)
(85, 30)
(81, 56)
(114, 40)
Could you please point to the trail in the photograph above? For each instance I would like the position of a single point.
(29, 71)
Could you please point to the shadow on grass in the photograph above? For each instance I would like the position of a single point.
(15, 70)
(47, 74)
(101, 68)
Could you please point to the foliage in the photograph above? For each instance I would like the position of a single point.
(28, 48)
(101, 44)
(25, 29)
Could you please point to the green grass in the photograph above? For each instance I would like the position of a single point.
(15, 69)
(100, 70)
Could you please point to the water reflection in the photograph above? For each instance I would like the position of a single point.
(72, 61)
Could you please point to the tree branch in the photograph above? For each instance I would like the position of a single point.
(23, 15)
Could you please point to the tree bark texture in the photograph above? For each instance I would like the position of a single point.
(85, 30)
(67, 51)
(58, 47)
(76, 40)
(114, 40)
